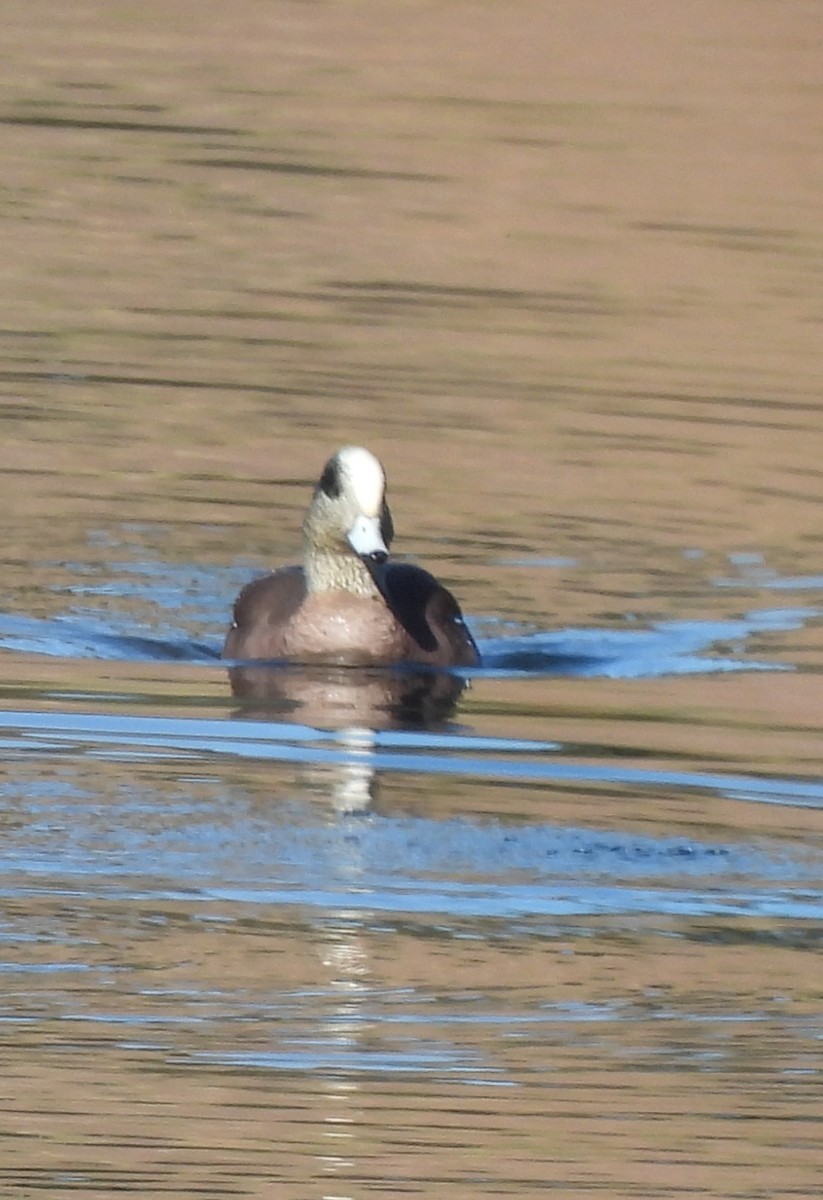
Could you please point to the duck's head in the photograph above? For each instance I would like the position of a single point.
(348, 515)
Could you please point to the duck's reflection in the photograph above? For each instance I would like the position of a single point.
(344, 954)
(345, 697)
(351, 783)
(356, 703)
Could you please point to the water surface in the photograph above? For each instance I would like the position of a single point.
(552, 927)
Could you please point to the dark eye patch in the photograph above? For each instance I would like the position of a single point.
(330, 480)
(386, 525)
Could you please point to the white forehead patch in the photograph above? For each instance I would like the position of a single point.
(365, 478)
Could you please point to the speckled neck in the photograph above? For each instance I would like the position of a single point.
(332, 571)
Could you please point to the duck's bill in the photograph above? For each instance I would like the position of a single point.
(366, 539)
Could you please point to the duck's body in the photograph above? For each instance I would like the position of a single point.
(349, 603)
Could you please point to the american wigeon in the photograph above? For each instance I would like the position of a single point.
(349, 603)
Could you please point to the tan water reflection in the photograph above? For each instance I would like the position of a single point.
(157, 1036)
(442, 1065)
(559, 266)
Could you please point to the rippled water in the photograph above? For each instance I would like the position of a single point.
(553, 926)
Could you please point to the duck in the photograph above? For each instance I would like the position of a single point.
(350, 603)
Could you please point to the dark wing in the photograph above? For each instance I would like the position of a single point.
(430, 614)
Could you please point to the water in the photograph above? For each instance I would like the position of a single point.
(551, 927)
